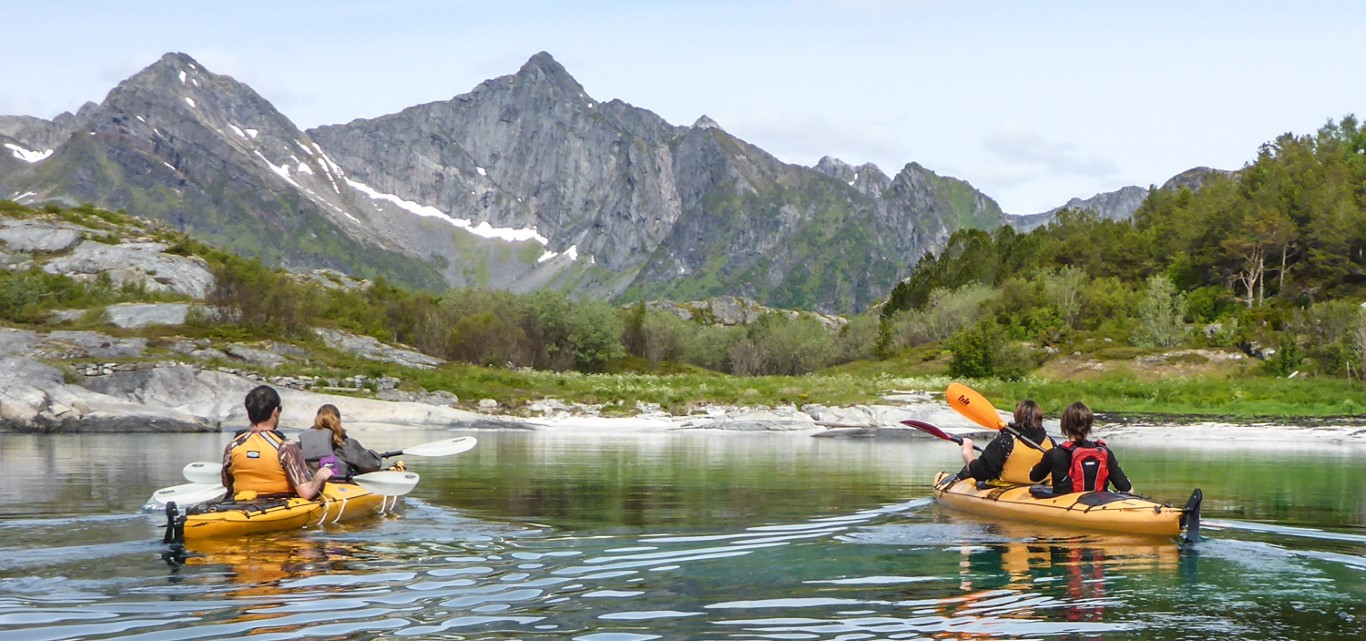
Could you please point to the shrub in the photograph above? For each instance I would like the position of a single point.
(1162, 313)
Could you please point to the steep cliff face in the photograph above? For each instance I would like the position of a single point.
(661, 210)
(530, 150)
(523, 183)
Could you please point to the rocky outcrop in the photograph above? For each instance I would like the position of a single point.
(143, 264)
(34, 398)
(30, 236)
(732, 311)
(217, 396)
(134, 315)
(371, 348)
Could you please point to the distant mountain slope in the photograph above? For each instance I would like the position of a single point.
(1113, 205)
(214, 158)
(665, 211)
(523, 183)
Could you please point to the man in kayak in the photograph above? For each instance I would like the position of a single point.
(1005, 457)
(259, 462)
(1080, 465)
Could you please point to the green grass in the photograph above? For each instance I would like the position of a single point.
(1247, 397)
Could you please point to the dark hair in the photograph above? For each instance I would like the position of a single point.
(329, 418)
(261, 402)
(1028, 415)
(1076, 421)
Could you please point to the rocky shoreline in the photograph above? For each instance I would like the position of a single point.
(107, 388)
(180, 397)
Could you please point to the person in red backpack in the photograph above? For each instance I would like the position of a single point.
(1080, 465)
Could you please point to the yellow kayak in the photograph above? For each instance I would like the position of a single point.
(1107, 511)
(338, 503)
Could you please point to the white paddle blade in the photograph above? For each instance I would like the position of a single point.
(387, 482)
(187, 494)
(443, 448)
(204, 472)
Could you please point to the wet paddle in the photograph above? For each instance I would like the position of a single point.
(204, 476)
(933, 430)
(188, 494)
(386, 482)
(978, 409)
(447, 447)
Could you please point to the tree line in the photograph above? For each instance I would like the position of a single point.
(1273, 254)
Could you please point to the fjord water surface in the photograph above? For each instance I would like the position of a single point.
(612, 537)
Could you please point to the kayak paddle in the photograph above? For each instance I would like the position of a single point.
(978, 409)
(933, 430)
(447, 447)
(205, 476)
(385, 482)
(188, 493)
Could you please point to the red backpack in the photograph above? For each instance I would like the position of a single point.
(1090, 468)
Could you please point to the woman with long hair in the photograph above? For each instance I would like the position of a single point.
(327, 444)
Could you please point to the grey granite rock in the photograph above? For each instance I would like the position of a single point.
(371, 348)
(261, 357)
(141, 263)
(133, 315)
(38, 236)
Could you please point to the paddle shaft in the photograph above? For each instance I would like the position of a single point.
(933, 430)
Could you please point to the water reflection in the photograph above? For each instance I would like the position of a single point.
(681, 537)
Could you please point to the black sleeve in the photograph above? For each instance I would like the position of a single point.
(1042, 469)
(988, 466)
(360, 459)
(1117, 477)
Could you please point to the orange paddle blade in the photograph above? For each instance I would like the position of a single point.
(977, 408)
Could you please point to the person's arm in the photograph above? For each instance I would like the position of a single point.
(360, 459)
(988, 466)
(1117, 476)
(225, 476)
(305, 485)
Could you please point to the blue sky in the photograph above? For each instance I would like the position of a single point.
(1031, 102)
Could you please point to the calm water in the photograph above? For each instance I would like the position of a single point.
(679, 536)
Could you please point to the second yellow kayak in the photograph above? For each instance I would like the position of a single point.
(1107, 511)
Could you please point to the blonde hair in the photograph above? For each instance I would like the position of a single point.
(329, 418)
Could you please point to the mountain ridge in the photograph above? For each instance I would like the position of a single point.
(524, 182)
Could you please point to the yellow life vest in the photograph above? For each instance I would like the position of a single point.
(1022, 459)
(255, 464)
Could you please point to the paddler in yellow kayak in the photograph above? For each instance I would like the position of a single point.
(1006, 458)
(259, 462)
(1080, 465)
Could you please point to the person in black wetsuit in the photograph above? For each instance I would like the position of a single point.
(1005, 458)
(1080, 465)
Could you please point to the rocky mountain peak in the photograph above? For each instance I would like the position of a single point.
(542, 70)
(705, 122)
(832, 166)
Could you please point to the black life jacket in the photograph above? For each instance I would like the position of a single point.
(1090, 467)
